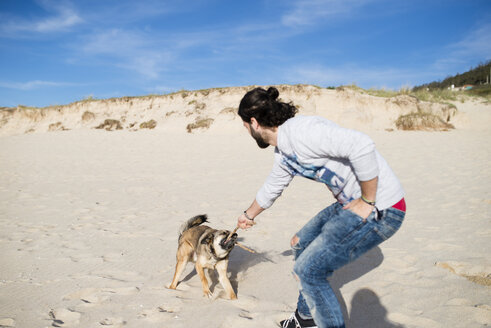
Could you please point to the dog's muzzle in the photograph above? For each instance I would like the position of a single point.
(230, 243)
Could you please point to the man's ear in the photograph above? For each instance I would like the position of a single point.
(254, 123)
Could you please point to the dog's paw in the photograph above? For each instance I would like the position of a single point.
(208, 293)
(181, 286)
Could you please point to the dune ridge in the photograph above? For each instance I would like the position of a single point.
(191, 111)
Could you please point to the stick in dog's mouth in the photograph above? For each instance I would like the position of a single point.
(236, 242)
(231, 234)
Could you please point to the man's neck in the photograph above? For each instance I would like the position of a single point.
(272, 136)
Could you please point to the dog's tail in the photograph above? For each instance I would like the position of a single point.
(193, 222)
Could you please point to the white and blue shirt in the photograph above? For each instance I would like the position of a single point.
(318, 149)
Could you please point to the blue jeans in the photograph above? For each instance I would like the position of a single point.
(333, 238)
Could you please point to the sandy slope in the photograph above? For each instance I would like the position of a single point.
(175, 112)
(89, 220)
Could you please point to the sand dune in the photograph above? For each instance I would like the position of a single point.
(89, 218)
(213, 108)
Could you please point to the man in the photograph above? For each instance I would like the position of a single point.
(370, 203)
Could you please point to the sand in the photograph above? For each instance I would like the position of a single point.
(89, 224)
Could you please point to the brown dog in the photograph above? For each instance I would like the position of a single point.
(208, 248)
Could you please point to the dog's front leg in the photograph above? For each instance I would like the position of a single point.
(221, 268)
(204, 281)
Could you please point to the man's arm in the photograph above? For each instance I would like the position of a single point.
(369, 192)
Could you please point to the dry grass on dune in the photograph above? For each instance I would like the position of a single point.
(199, 110)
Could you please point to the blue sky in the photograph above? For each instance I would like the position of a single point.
(56, 52)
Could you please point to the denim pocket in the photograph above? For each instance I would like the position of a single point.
(359, 217)
(353, 224)
(392, 221)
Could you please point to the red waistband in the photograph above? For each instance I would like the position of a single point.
(400, 205)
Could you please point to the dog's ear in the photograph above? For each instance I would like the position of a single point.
(207, 239)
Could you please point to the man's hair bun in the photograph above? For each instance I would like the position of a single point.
(265, 108)
(273, 93)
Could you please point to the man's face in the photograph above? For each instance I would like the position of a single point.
(256, 135)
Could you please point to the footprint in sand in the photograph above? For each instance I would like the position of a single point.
(245, 302)
(124, 276)
(75, 245)
(64, 317)
(247, 319)
(156, 315)
(90, 296)
(438, 246)
(413, 321)
(165, 312)
(122, 290)
(85, 258)
(113, 257)
(96, 296)
(172, 306)
(113, 322)
(7, 322)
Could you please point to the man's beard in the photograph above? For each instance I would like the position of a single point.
(259, 140)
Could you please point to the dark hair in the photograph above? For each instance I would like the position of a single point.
(265, 108)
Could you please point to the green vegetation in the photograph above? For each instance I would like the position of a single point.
(440, 91)
(58, 126)
(229, 110)
(110, 125)
(422, 121)
(148, 125)
(387, 93)
(433, 95)
(475, 76)
(88, 116)
(481, 91)
(200, 123)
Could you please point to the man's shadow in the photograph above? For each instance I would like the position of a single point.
(366, 308)
(367, 311)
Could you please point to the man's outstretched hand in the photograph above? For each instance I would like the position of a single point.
(244, 223)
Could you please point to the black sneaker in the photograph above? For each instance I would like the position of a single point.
(296, 322)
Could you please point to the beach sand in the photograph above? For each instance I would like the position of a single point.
(89, 225)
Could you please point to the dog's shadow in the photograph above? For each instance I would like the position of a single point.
(241, 260)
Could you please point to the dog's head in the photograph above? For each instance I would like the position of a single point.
(219, 243)
(225, 241)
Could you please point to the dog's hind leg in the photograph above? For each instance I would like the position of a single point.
(201, 272)
(180, 266)
(221, 268)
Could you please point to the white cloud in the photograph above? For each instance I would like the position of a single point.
(130, 50)
(66, 18)
(31, 85)
(477, 43)
(460, 56)
(309, 12)
(115, 41)
(63, 18)
(393, 78)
